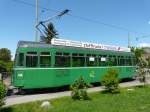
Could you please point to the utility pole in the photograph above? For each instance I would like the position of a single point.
(37, 21)
(129, 41)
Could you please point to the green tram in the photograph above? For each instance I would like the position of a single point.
(40, 65)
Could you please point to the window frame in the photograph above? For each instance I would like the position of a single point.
(87, 56)
(32, 54)
(78, 55)
(47, 54)
(17, 59)
(62, 55)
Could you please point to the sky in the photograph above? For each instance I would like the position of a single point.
(96, 21)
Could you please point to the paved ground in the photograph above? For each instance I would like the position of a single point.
(28, 98)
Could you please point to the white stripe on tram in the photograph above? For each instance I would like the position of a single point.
(70, 67)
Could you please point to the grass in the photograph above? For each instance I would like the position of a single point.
(137, 100)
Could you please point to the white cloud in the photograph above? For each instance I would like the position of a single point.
(144, 44)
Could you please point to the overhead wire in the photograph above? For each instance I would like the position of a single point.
(144, 36)
(33, 5)
(84, 18)
(79, 17)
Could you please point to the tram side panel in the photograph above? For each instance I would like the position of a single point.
(45, 78)
(41, 78)
(95, 74)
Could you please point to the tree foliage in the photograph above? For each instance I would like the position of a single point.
(148, 62)
(111, 81)
(142, 70)
(79, 89)
(2, 66)
(2, 93)
(5, 54)
(138, 52)
(50, 33)
(143, 64)
(5, 60)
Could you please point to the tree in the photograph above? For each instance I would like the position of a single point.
(2, 93)
(5, 54)
(142, 70)
(79, 89)
(5, 60)
(138, 52)
(142, 64)
(132, 49)
(148, 62)
(2, 66)
(50, 33)
(9, 66)
(111, 81)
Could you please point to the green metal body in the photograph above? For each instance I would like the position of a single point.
(45, 77)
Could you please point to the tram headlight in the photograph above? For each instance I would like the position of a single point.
(20, 76)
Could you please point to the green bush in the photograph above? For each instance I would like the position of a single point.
(110, 81)
(2, 93)
(79, 90)
(142, 70)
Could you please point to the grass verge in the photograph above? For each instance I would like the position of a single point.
(136, 100)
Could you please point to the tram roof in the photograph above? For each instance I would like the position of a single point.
(31, 44)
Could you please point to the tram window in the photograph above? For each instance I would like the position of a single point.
(75, 54)
(59, 54)
(114, 59)
(102, 60)
(122, 61)
(78, 60)
(45, 59)
(21, 59)
(110, 61)
(91, 60)
(81, 54)
(128, 61)
(31, 59)
(118, 59)
(93, 55)
(66, 54)
(62, 60)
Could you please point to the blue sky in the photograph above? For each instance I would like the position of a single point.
(17, 21)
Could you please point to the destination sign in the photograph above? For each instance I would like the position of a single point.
(70, 43)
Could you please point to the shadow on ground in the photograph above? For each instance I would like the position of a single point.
(56, 89)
